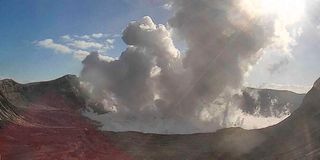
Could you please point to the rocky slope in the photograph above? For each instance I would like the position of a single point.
(268, 102)
(51, 126)
(297, 137)
(8, 112)
(45, 122)
(21, 94)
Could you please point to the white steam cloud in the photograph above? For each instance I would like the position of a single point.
(154, 88)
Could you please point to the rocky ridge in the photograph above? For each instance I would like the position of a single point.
(57, 130)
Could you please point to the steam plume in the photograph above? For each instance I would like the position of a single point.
(157, 89)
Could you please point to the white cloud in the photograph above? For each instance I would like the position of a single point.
(66, 38)
(108, 44)
(85, 37)
(50, 44)
(110, 41)
(80, 46)
(80, 54)
(85, 44)
(97, 35)
(106, 58)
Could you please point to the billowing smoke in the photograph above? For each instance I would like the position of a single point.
(155, 88)
(132, 78)
(223, 42)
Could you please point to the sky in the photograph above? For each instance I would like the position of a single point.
(25, 22)
(44, 39)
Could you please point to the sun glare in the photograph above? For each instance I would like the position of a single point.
(288, 11)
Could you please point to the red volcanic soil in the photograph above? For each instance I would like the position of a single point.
(52, 128)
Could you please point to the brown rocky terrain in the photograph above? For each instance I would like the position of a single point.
(47, 124)
(43, 121)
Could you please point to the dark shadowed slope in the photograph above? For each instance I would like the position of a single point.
(52, 126)
(8, 112)
(21, 94)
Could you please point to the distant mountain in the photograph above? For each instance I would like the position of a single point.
(44, 121)
(268, 102)
(297, 137)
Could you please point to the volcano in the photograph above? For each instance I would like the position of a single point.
(43, 120)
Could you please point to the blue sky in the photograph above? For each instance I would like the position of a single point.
(24, 24)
